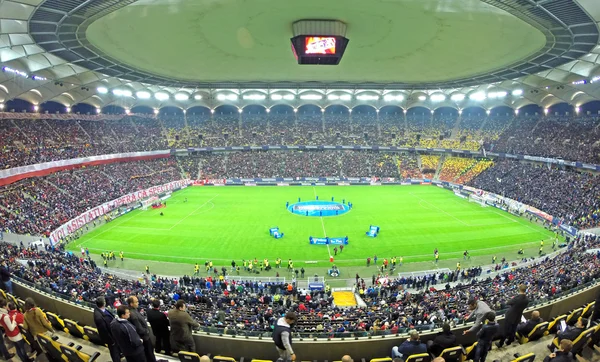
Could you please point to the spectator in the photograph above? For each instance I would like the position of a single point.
(478, 312)
(485, 336)
(11, 328)
(181, 328)
(35, 320)
(525, 328)
(282, 336)
(5, 278)
(129, 341)
(347, 358)
(563, 354)
(443, 340)
(141, 327)
(409, 347)
(513, 316)
(572, 332)
(596, 315)
(160, 327)
(102, 319)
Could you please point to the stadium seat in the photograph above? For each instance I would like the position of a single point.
(421, 357)
(470, 351)
(573, 316)
(454, 354)
(2, 294)
(588, 309)
(261, 360)
(52, 348)
(223, 359)
(188, 356)
(74, 354)
(529, 357)
(538, 332)
(74, 329)
(384, 359)
(93, 336)
(580, 342)
(11, 298)
(27, 337)
(56, 322)
(595, 340)
(555, 323)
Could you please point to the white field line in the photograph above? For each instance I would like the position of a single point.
(192, 213)
(445, 212)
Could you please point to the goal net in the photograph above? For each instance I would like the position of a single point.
(148, 202)
(477, 199)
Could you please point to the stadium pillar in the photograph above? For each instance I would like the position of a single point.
(240, 124)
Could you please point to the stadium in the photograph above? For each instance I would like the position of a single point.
(367, 178)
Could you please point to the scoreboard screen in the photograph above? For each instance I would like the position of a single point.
(319, 49)
(319, 45)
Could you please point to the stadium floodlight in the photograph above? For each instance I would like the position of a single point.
(501, 94)
(422, 98)
(438, 97)
(393, 98)
(102, 90)
(254, 97)
(198, 97)
(1, 105)
(227, 97)
(288, 97)
(126, 93)
(117, 92)
(367, 97)
(479, 96)
(98, 110)
(155, 110)
(345, 97)
(517, 111)
(240, 110)
(268, 110)
(182, 97)
(457, 97)
(577, 109)
(311, 97)
(333, 97)
(36, 108)
(161, 96)
(68, 109)
(517, 92)
(276, 97)
(143, 95)
(127, 111)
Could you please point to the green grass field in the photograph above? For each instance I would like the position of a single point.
(225, 223)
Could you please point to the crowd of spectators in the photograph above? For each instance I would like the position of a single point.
(40, 205)
(568, 194)
(251, 307)
(32, 141)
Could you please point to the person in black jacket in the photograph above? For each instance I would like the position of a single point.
(141, 327)
(445, 339)
(128, 340)
(596, 314)
(103, 318)
(485, 336)
(525, 328)
(160, 327)
(409, 347)
(571, 333)
(562, 355)
(513, 316)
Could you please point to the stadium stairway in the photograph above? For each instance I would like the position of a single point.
(344, 298)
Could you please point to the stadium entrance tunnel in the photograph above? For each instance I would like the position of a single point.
(318, 208)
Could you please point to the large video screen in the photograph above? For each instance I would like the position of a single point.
(319, 45)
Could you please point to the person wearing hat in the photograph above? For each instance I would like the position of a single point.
(282, 336)
(409, 347)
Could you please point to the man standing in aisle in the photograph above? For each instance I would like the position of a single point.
(160, 327)
(141, 327)
(128, 340)
(513, 316)
(181, 328)
(103, 318)
(282, 336)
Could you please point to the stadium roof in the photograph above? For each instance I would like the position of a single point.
(199, 52)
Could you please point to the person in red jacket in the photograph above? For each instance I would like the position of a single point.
(11, 328)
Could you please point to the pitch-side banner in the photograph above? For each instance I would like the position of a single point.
(98, 211)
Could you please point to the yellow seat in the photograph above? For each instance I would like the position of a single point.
(470, 351)
(588, 310)
(529, 357)
(56, 322)
(74, 329)
(261, 360)
(75, 355)
(536, 333)
(385, 359)
(421, 357)
(574, 315)
(453, 354)
(223, 359)
(580, 342)
(555, 323)
(188, 356)
(52, 348)
(3, 294)
(93, 335)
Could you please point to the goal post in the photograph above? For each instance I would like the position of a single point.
(477, 199)
(148, 202)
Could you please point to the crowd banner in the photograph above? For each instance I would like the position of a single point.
(15, 174)
(69, 116)
(98, 211)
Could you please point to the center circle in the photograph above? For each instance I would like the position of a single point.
(318, 208)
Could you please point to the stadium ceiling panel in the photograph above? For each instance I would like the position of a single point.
(185, 53)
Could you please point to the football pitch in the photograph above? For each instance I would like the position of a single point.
(232, 223)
